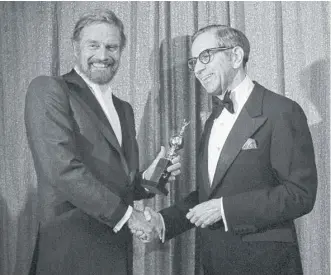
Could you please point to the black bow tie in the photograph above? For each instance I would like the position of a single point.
(218, 105)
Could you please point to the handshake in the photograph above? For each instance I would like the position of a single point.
(147, 225)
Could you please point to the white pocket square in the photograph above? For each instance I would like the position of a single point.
(249, 144)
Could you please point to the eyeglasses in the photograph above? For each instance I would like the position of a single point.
(204, 57)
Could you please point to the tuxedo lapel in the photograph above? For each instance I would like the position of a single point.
(203, 155)
(84, 95)
(248, 122)
(129, 144)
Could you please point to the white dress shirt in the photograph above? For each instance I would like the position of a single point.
(222, 127)
(105, 99)
(219, 133)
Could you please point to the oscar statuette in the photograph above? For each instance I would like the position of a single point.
(156, 184)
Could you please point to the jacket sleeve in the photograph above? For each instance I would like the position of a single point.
(293, 163)
(50, 131)
(175, 216)
(139, 191)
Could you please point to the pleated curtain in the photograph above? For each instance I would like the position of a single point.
(290, 54)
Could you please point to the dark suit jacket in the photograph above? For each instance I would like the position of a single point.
(86, 179)
(263, 189)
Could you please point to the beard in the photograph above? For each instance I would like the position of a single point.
(101, 75)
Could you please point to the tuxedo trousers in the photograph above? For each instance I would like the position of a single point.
(236, 257)
(101, 262)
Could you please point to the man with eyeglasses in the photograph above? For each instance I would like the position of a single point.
(256, 167)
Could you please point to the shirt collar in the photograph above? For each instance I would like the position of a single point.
(94, 87)
(240, 94)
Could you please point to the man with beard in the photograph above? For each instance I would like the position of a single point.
(84, 147)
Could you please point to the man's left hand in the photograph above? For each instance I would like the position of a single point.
(174, 168)
(206, 213)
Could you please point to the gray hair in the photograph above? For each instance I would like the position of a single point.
(99, 16)
(227, 37)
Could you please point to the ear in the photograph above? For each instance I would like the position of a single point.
(237, 57)
(75, 45)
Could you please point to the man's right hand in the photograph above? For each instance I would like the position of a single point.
(140, 227)
(156, 220)
(146, 226)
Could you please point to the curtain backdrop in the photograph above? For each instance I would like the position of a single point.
(290, 54)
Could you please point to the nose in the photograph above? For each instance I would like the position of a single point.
(102, 53)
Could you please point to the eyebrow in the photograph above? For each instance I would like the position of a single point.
(89, 41)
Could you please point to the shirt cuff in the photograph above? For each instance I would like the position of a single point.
(162, 233)
(223, 216)
(143, 177)
(125, 218)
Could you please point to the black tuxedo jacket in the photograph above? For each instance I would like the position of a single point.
(263, 189)
(86, 180)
